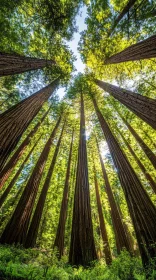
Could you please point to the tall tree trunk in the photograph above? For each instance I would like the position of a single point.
(143, 50)
(121, 237)
(4, 174)
(11, 64)
(16, 229)
(59, 240)
(142, 106)
(14, 179)
(143, 169)
(82, 246)
(14, 121)
(35, 222)
(107, 251)
(141, 208)
(125, 10)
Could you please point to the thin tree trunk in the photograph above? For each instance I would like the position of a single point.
(143, 169)
(11, 64)
(35, 222)
(16, 229)
(141, 208)
(142, 106)
(121, 237)
(107, 251)
(82, 246)
(14, 179)
(59, 240)
(4, 174)
(14, 121)
(143, 50)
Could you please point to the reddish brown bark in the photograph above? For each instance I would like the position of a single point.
(121, 238)
(143, 50)
(59, 240)
(16, 229)
(11, 64)
(14, 121)
(107, 251)
(142, 106)
(34, 226)
(4, 174)
(143, 169)
(82, 246)
(141, 208)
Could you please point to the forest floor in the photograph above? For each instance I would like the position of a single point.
(34, 264)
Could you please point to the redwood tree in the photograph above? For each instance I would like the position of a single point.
(16, 229)
(4, 174)
(36, 219)
(143, 50)
(11, 64)
(141, 208)
(82, 246)
(14, 121)
(59, 240)
(144, 107)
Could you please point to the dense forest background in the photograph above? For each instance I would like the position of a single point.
(77, 173)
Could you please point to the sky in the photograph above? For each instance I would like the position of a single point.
(74, 45)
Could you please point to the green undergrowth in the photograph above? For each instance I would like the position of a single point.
(19, 263)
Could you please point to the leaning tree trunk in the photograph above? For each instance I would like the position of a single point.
(59, 240)
(11, 64)
(16, 229)
(143, 50)
(141, 208)
(142, 167)
(82, 246)
(121, 237)
(107, 251)
(4, 174)
(121, 15)
(14, 179)
(35, 222)
(142, 106)
(14, 121)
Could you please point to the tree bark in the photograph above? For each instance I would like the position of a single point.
(14, 121)
(4, 174)
(16, 229)
(82, 246)
(14, 179)
(36, 219)
(59, 240)
(142, 106)
(121, 238)
(107, 251)
(11, 64)
(143, 50)
(141, 208)
(143, 169)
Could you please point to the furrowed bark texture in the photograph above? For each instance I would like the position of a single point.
(142, 106)
(121, 237)
(143, 169)
(35, 222)
(16, 229)
(141, 208)
(11, 64)
(82, 246)
(14, 121)
(17, 155)
(107, 251)
(143, 50)
(59, 240)
(121, 15)
(11, 184)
